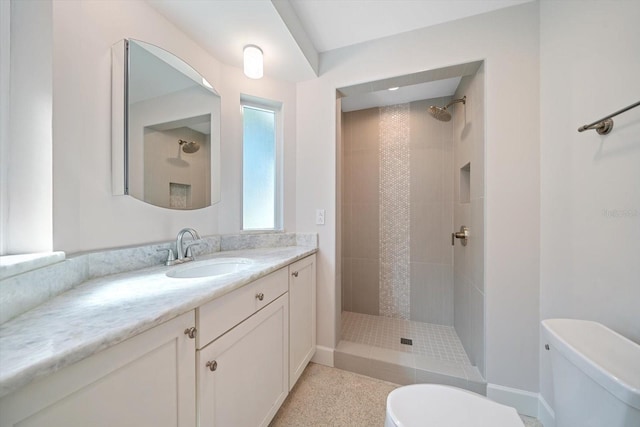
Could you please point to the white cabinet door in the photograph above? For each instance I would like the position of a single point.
(145, 381)
(243, 375)
(302, 315)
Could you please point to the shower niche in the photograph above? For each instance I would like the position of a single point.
(406, 184)
(465, 183)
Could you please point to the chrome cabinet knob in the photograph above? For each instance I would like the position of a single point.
(191, 332)
(260, 296)
(212, 365)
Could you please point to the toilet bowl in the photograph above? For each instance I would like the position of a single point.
(426, 405)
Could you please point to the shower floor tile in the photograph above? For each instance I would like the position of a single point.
(429, 340)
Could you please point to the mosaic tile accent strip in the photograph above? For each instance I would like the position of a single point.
(394, 211)
(433, 341)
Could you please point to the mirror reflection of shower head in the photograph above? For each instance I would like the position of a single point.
(441, 113)
(189, 147)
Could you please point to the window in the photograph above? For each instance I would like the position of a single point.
(261, 166)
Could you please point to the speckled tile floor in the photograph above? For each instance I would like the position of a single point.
(327, 396)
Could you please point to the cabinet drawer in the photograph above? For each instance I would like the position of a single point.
(218, 316)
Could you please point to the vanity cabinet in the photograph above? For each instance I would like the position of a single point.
(230, 362)
(243, 355)
(243, 375)
(147, 380)
(302, 316)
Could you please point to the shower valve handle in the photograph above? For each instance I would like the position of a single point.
(463, 235)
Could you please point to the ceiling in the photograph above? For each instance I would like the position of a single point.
(333, 24)
(401, 95)
(293, 33)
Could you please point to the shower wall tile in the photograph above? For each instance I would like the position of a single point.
(447, 283)
(461, 254)
(445, 233)
(365, 230)
(476, 244)
(345, 123)
(477, 157)
(364, 129)
(346, 184)
(426, 299)
(347, 210)
(431, 293)
(365, 286)
(426, 233)
(420, 129)
(430, 208)
(448, 172)
(346, 285)
(477, 171)
(426, 132)
(364, 176)
(360, 211)
(476, 306)
(427, 180)
(431, 215)
(462, 310)
(468, 131)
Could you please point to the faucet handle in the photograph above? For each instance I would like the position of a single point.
(188, 253)
(171, 258)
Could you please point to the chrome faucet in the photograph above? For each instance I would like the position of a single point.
(184, 252)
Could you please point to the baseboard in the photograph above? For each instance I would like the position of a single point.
(525, 402)
(545, 413)
(323, 356)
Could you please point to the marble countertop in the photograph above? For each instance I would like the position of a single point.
(106, 311)
(11, 265)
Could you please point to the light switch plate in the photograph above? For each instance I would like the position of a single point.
(320, 216)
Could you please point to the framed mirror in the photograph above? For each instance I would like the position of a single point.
(165, 129)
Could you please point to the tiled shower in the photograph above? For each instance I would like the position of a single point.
(408, 181)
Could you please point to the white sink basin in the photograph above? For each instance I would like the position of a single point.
(210, 268)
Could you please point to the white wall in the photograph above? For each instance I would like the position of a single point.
(26, 128)
(590, 184)
(5, 106)
(508, 41)
(85, 214)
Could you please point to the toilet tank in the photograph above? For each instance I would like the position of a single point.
(596, 374)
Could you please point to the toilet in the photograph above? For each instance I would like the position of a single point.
(595, 372)
(426, 405)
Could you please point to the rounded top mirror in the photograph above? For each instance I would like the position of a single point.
(171, 137)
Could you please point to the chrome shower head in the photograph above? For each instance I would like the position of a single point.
(441, 113)
(189, 147)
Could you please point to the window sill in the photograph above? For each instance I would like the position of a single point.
(262, 231)
(12, 265)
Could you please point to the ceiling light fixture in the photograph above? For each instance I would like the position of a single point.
(394, 88)
(253, 67)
